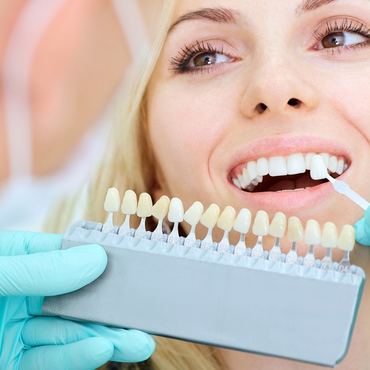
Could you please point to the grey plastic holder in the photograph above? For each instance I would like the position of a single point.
(220, 299)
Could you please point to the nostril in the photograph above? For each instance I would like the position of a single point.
(294, 103)
(261, 107)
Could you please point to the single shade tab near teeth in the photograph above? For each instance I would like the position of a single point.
(159, 211)
(144, 210)
(241, 225)
(295, 234)
(128, 208)
(175, 215)
(329, 240)
(312, 237)
(209, 220)
(277, 229)
(346, 242)
(260, 228)
(192, 217)
(111, 205)
(225, 222)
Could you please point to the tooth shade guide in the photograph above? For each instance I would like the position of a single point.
(192, 217)
(144, 210)
(111, 205)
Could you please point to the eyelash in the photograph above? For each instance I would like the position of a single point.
(346, 25)
(180, 64)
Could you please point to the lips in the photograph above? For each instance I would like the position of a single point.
(275, 171)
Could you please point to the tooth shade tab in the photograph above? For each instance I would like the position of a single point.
(318, 168)
(226, 220)
(261, 224)
(295, 230)
(194, 213)
(346, 240)
(312, 235)
(145, 204)
(176, 211)
(112, 200)
(210, 216)
(129, 203)
(278, 225)
(161, 207)
(329, 237)
(242, 222)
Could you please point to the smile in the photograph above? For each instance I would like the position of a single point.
(283, 173)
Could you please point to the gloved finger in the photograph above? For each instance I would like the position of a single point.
(15, 243)
(87, 354)
(362, 229)
(129, 345)
(51, 273)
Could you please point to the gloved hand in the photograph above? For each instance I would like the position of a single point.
(362, 229)
(32, 266)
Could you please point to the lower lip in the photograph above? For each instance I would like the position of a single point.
(290, 200)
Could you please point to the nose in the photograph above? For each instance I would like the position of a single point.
(276, 86)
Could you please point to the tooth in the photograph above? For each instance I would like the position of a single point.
(308, 159)
(246, 179)
(210, 216)
(144, 210)
(192, 217)
(312, 233)
(261, 224)
(129, 203)
(194, 213)
(111, 205)
(144, 207)
(325, 157)
(226, 219)
(329, 237)
(295, 229)
(345, 166)
(262, 167)
(128, 208)
(296, 164)
(112, 200)
(340, 166)
(236, 183)
(298, 189)
(346, 240)
(259, 178)
(250, 187)
(278, 225)
(277, 166)
(318, 169)
(252, 170)
(240, 179)
(255, 182)
(161, 207)
(333, 161)
(242, 222)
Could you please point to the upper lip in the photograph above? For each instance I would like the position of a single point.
(284, 146)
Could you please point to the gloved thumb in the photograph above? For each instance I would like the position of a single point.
(362, 229)
(51, 273)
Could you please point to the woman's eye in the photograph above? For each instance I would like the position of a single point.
(208, 59)
(338, 39)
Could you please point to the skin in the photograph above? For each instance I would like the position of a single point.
(213, 116)
(79, 63)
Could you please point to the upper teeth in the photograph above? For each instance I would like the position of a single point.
(252, 172)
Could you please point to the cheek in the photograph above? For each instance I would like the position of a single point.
(185, 126)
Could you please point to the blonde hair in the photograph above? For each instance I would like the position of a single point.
(128, 164)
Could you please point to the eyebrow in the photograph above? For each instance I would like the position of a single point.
(310, 5)
(218, 15)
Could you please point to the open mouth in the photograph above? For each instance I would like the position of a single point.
(277, 174)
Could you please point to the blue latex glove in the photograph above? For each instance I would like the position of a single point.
(362, 229)
(32, 266)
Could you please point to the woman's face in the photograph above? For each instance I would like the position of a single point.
(238, 81)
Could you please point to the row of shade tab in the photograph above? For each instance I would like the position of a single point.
(227, 220)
